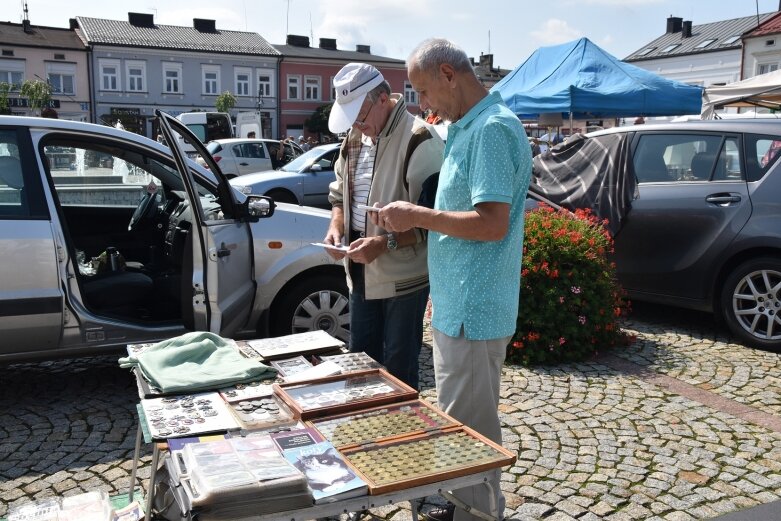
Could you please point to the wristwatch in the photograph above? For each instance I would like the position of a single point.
(392, 244)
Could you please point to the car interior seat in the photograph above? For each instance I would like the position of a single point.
(650, 166)
(702, 165)
(11, 175)
(120, 291)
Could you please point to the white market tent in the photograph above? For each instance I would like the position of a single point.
(759, 91)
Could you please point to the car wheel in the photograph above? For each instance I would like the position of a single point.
(320, 302)
(282, 196)
(751, 302)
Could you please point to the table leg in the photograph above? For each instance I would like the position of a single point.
(492, 516)
(414, 506)
(136, 456)
(151, 488)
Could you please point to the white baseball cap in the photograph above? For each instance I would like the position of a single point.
(352, 83)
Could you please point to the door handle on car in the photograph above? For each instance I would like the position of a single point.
(723, 199)
(244, 164)
(218, 253)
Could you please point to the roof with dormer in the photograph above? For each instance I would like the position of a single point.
(711, 37)
(124, 34)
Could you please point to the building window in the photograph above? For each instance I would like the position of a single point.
(294, 87)
(410, 96)
(61, 77)
(670, 48)
(312, 88)
(12, 72)
(732, 39)
(333, 90)
(764, 68)
(265, 83)
(646, 51)
(706, 43)
(136, 76)
(109, 74)
(243, 75)
(172, 78)
(211, 79)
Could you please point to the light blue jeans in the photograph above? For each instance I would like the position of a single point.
(389, 330)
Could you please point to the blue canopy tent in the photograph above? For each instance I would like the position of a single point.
(581, 80)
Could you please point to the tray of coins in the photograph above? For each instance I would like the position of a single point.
(350, 362)
(186, 415)
(427, 458)
(343, 393)
(261, 412)
(291, 366)
(379, 423)
(246, 391)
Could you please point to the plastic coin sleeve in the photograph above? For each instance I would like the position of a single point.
(262, 412)
(351, 362)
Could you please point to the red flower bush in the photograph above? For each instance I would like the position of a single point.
(570, 301)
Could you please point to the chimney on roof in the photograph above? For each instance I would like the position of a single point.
(686, 30)
(297, 41)
(26, 21)
(328, 43)
(204, 25)
(141, 19)
(73, 24)
(487, 61)
(366, 49)
(674, 24)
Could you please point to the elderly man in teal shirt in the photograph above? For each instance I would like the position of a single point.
(475, 244)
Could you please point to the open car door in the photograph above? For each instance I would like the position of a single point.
(218, 286)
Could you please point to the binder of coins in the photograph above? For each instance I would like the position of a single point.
(379, 423)
(351, 362)
(412, 461)
(262, 412)
(343, 393)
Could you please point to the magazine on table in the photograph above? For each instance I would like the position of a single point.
(296, 438)
(328, 475)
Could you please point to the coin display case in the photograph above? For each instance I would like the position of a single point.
(379, 423)
(412, 461)
(352, 362)
(343, 393)
(262, 412)
(291, 366)
(187, 415)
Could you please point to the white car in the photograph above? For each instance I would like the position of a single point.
(237, 157)
(109, 238)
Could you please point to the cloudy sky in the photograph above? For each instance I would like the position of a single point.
(510, 30)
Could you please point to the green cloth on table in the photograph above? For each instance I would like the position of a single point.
(195, 361)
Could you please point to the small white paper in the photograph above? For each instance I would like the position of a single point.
(338, 247)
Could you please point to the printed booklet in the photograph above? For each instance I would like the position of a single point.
(327, 473)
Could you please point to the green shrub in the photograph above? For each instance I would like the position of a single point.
(570, 301)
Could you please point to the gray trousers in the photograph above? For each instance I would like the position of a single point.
(468, 375)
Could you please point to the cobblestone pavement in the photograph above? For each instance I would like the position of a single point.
(681, 425)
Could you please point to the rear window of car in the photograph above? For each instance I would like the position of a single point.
(213, 147)
(762, 152)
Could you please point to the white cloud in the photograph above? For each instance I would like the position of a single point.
(556, 31)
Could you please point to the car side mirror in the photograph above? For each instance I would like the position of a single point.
(315, 168)
(260, 206)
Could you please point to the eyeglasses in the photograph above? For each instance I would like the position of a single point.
(361, 122)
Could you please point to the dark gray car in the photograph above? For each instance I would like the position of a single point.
(704, 229)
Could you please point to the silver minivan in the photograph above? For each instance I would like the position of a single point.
(107, 237)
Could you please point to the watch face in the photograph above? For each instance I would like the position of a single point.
(392, 244)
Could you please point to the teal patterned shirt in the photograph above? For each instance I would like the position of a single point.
(475, 284)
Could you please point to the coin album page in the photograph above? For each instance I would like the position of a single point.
(379, 423)
(185, 415)
(351, 362)
(424, 459)
(246, 391)
(291, 366)
(311, 342)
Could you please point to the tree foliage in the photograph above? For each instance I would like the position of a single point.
(318, 122)
(225, 102)
(37, 92)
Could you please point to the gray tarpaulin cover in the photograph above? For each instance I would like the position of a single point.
(588, 172)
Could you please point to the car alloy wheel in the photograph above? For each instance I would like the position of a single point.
(317, 303)
(751, 302)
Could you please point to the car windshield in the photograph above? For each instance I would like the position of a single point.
(304, 161)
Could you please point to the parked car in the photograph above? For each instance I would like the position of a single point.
(303, 181)
(88, 268)
(237, 157)
(704, 231)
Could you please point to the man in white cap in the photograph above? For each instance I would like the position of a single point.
(388, 155)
